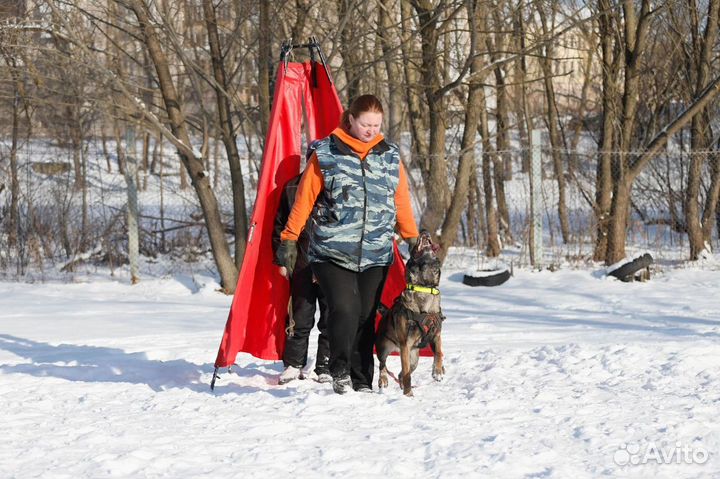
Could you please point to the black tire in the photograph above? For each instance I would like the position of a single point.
(496, 278)
(626, 272)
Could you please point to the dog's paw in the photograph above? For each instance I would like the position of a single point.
(382, 382)
(409, 393)
(438, 375)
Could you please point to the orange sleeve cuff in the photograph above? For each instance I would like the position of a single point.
(311, 184)
(405, 218)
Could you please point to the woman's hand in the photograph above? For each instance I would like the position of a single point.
(287, 256)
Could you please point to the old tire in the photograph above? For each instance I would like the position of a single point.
(626, 272)
(494, 277)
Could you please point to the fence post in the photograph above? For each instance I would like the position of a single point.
(536, 244)
(132, 206)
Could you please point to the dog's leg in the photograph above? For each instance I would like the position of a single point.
(438, 369)
(384, 348)
(414, 357)
(405, 361)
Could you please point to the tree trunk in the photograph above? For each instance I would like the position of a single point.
(619, 220)
(502, 168)
(692, 198)
(466, 166)
(200, 181)
(552, 121)
(85, 220)
(713, 196)
(76, 141)
(435, 176)
(106, 152)
(700, 134)
(588, 82)
(416, 113)
(130, 155)
(394, 117)
(475, 223)
(349, 49)
(525, 123)
(227, 133)
(14, 220)
(492, 238)
(264, 62)
(636, 31)
(146, 159)
(603, 177)
(433, 169)
(79, 164)
(625, 179)
(302, 12)
(635, 35)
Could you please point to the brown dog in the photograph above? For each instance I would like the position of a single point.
(415, 318)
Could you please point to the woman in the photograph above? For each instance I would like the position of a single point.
(356, 189)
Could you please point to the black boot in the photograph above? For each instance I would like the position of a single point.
(342, 384)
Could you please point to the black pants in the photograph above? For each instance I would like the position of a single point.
(352, 300)
(304, 295)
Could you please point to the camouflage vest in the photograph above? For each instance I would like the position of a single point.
(353, 219)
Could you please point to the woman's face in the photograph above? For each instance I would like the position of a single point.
(366, 126)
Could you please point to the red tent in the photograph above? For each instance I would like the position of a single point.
(256, 322)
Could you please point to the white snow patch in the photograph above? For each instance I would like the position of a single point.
(549, 376)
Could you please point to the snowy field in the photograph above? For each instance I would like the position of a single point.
(567, 375)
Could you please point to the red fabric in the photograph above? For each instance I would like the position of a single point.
(322, 103)
(256, 321)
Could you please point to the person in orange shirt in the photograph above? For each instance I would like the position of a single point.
(354, 190)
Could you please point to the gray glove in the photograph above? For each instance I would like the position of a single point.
(287, 255)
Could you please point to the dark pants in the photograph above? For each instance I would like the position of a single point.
(352, 300)
(304, 295)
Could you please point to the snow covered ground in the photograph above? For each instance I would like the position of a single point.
(566, 375)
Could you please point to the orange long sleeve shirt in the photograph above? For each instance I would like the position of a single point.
(312, 181)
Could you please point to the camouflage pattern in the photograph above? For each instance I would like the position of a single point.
(353, 220)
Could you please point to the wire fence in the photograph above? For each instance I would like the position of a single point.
(566, 188)
(61, 224)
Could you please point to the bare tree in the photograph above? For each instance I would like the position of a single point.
(189, 157)
(17, 92)
(264, 59)
(553, 119)
(411, 72)
(227, 131)
(492, 240)
(349, 16)
(611, 58)
(496, 44)
(699, 60)
(387, 31)
(466, 166)
(433, 21)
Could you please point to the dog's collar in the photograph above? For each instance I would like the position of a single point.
(422, 289)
